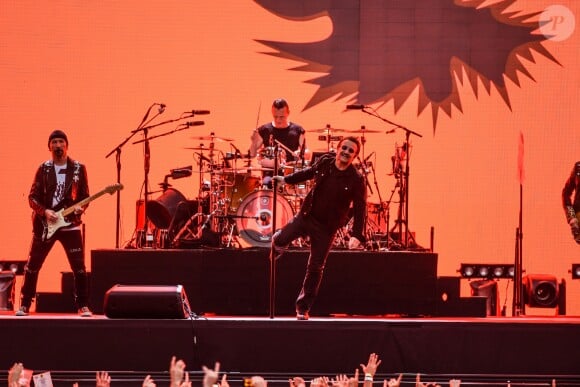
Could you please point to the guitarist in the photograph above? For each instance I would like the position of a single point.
(571, 201)
(58, 183)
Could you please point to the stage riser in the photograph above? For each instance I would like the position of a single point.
(236, 282)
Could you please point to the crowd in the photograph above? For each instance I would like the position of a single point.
(179, 377)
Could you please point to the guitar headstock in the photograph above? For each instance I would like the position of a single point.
(111, 189)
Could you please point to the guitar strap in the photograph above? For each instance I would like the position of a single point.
(49, 168)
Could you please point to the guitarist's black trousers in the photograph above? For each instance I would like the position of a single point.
(72, 241)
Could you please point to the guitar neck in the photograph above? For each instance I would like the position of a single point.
(84, 202)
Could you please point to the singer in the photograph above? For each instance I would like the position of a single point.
(572, 206)
(289, 134)
(325, 209)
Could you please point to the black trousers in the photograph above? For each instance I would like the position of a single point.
(72, 241)
(321, 240)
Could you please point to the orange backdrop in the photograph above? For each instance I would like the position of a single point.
(94, 69)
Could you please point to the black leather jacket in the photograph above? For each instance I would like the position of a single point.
(572, 186)
(44, 185)
(350, 185)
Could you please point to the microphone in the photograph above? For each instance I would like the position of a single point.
(355, 107)
(368, 157)
(390, 131)
(202, 157)
(161, 107)
(194, 112)
(194, 123)
(238, 152)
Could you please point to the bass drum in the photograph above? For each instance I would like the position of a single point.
(254, 217)
(161, 210)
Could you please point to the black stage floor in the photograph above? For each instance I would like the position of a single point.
(382, 302)
(472, 349)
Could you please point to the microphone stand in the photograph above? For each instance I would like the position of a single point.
(117, 151)
(147, 159)
(408, 133)
(273, 248)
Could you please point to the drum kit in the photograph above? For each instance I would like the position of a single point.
(235, 203)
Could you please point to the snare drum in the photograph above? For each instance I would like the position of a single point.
(266, 157)
(254, 217)
(301, 189)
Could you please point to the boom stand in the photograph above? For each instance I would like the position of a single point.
(147, 157)
(117, 151)
(405, 195)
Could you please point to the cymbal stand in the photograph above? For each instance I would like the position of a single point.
(147, 157)
(329, 138)
(405, 193)
(381, 210)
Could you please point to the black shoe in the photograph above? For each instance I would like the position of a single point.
(23, 311)
(85, 312)
(302, 316)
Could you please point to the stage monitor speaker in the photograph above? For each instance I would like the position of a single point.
(147, 301)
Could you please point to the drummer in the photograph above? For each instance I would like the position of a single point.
(289, 136)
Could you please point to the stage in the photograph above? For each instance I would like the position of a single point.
(382, 302)
(472, 349)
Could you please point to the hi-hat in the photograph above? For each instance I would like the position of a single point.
(327, 130)
(213, 138)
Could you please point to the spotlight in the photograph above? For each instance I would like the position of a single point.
(488, 271)
(575, 271)
(484, 271)
(467, 271)
(16, 267)
(511, 271)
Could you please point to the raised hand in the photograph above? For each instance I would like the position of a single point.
(149, 382)
(211, 375)
(372, 365)
(393, 382)
(177, 372)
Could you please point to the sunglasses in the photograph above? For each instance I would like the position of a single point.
(346, 148)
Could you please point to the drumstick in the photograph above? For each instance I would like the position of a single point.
(258, 118)
(284, 146)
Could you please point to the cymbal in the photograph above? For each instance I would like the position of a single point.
(327, 130)
(213, 138)
(243, 170)
(361, 130)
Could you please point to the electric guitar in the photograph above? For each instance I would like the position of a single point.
(50, 227)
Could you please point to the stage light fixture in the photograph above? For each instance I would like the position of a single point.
(575, 271)
(16, 267)
(541, 290)
(486, 270)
